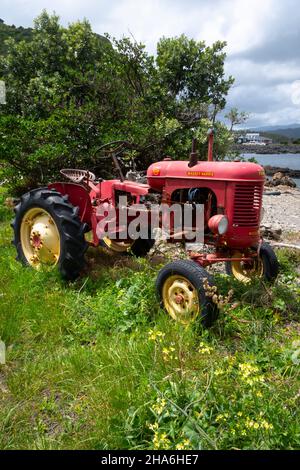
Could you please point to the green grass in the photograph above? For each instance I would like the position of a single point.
(97, 365)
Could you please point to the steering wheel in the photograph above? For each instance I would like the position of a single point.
(118, 147)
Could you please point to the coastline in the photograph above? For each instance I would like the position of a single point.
(267, 149)
(271, 170)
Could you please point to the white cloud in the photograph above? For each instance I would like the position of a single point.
(234, 21)
(295, 95)
(248, 72)
(283, 116)
(261, 35)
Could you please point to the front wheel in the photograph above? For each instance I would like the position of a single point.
(265, 266)
(181, 290)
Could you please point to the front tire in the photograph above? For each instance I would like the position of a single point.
(48, 232)
(180, 288)
(265, 266)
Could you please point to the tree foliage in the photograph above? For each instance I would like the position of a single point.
(70, 90)
(236, 117)
(7, 31)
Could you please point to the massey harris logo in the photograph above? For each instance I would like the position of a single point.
(261, 172)
(156, 171)
(200, 173)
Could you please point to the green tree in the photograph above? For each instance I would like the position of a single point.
(236, 117)
(70, 90)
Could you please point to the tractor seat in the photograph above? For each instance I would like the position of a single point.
(78, 176)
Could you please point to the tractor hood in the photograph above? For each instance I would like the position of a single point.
(157, 173)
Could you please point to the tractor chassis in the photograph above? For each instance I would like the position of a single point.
(207, 259)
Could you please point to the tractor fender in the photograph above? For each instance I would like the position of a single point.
(78, 196)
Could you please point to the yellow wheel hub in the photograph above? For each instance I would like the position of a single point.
(119, 247)
(40, 239)
(244, 271)
(180, 299)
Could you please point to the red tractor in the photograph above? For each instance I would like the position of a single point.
(52, 224)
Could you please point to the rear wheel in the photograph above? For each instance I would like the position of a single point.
(180, 288)
(49, 233)
(265, 266)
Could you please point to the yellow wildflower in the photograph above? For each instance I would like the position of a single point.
(247, 369)
(167, 353)
(265, 425)
(249, 374)
(184, 445)
(156, 335)
(204, 349)
(153, 427)
(179, 446)
(222, 417)
(159, 406)
(161, 441)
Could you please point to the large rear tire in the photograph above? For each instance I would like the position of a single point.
(265, 267)
(48, 232)
(180, 288)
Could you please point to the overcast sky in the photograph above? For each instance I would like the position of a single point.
(263, 39)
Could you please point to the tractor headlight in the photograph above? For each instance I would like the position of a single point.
(223, 225)
(218, 224)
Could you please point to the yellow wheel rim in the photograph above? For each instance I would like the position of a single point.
(40, 238)
(180, 299)
(119, 247)
(245, 272)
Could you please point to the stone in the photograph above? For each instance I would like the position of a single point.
(280, 178)
(273, 233)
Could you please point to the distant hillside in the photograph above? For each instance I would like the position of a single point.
(276, 133)
(12, 31)
(277, 127)
(290, 133)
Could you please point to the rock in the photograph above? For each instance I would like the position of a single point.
(278, 176)
(272, 232)
(280, 179)
(268, 182)
(271, 170)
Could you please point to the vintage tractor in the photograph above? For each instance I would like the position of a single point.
(53, 224)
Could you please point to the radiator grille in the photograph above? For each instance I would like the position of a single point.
(247, 202)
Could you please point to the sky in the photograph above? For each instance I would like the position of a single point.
(263, 41)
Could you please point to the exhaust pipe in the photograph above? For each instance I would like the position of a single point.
(193, 155)
(210, 134)
(193, 160)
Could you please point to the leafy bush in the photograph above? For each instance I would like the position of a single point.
(69, 90)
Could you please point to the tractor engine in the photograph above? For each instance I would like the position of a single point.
(231, 193)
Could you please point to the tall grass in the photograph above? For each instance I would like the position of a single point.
(96, 364)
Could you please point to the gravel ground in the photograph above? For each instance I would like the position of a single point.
(282, 211)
